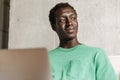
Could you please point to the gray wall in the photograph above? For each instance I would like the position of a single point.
(99, 24)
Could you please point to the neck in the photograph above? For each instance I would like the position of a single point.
(68, 43)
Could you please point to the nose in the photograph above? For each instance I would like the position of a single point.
(68, 22)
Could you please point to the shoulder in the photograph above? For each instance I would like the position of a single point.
(99, 55)
(53, 51)
(92, 51)
(92, 48)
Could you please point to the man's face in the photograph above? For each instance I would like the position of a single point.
(66, 23)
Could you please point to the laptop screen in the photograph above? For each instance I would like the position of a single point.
(24, 64)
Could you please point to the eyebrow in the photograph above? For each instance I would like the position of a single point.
(70, 15)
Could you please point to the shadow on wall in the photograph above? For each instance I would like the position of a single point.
(5, 26)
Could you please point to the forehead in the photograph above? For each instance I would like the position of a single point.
(65, 11)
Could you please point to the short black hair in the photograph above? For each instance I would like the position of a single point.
(52, 13)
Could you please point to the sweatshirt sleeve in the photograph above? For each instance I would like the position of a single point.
(104, 69)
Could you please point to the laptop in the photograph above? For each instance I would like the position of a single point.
(24, 64)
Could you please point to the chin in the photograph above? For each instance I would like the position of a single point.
(70, 37)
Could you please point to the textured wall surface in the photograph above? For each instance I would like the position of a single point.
(99, 24)
(29, 26)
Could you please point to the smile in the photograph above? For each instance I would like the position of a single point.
(70, 29)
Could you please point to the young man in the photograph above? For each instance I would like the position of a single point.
(72, 60)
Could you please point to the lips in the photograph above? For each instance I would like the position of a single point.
(70, 29)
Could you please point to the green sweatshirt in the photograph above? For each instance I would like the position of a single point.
(81, 63)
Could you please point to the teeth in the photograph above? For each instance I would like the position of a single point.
(70, 28)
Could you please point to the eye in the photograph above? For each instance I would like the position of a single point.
(73, 18)
(63, 20)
